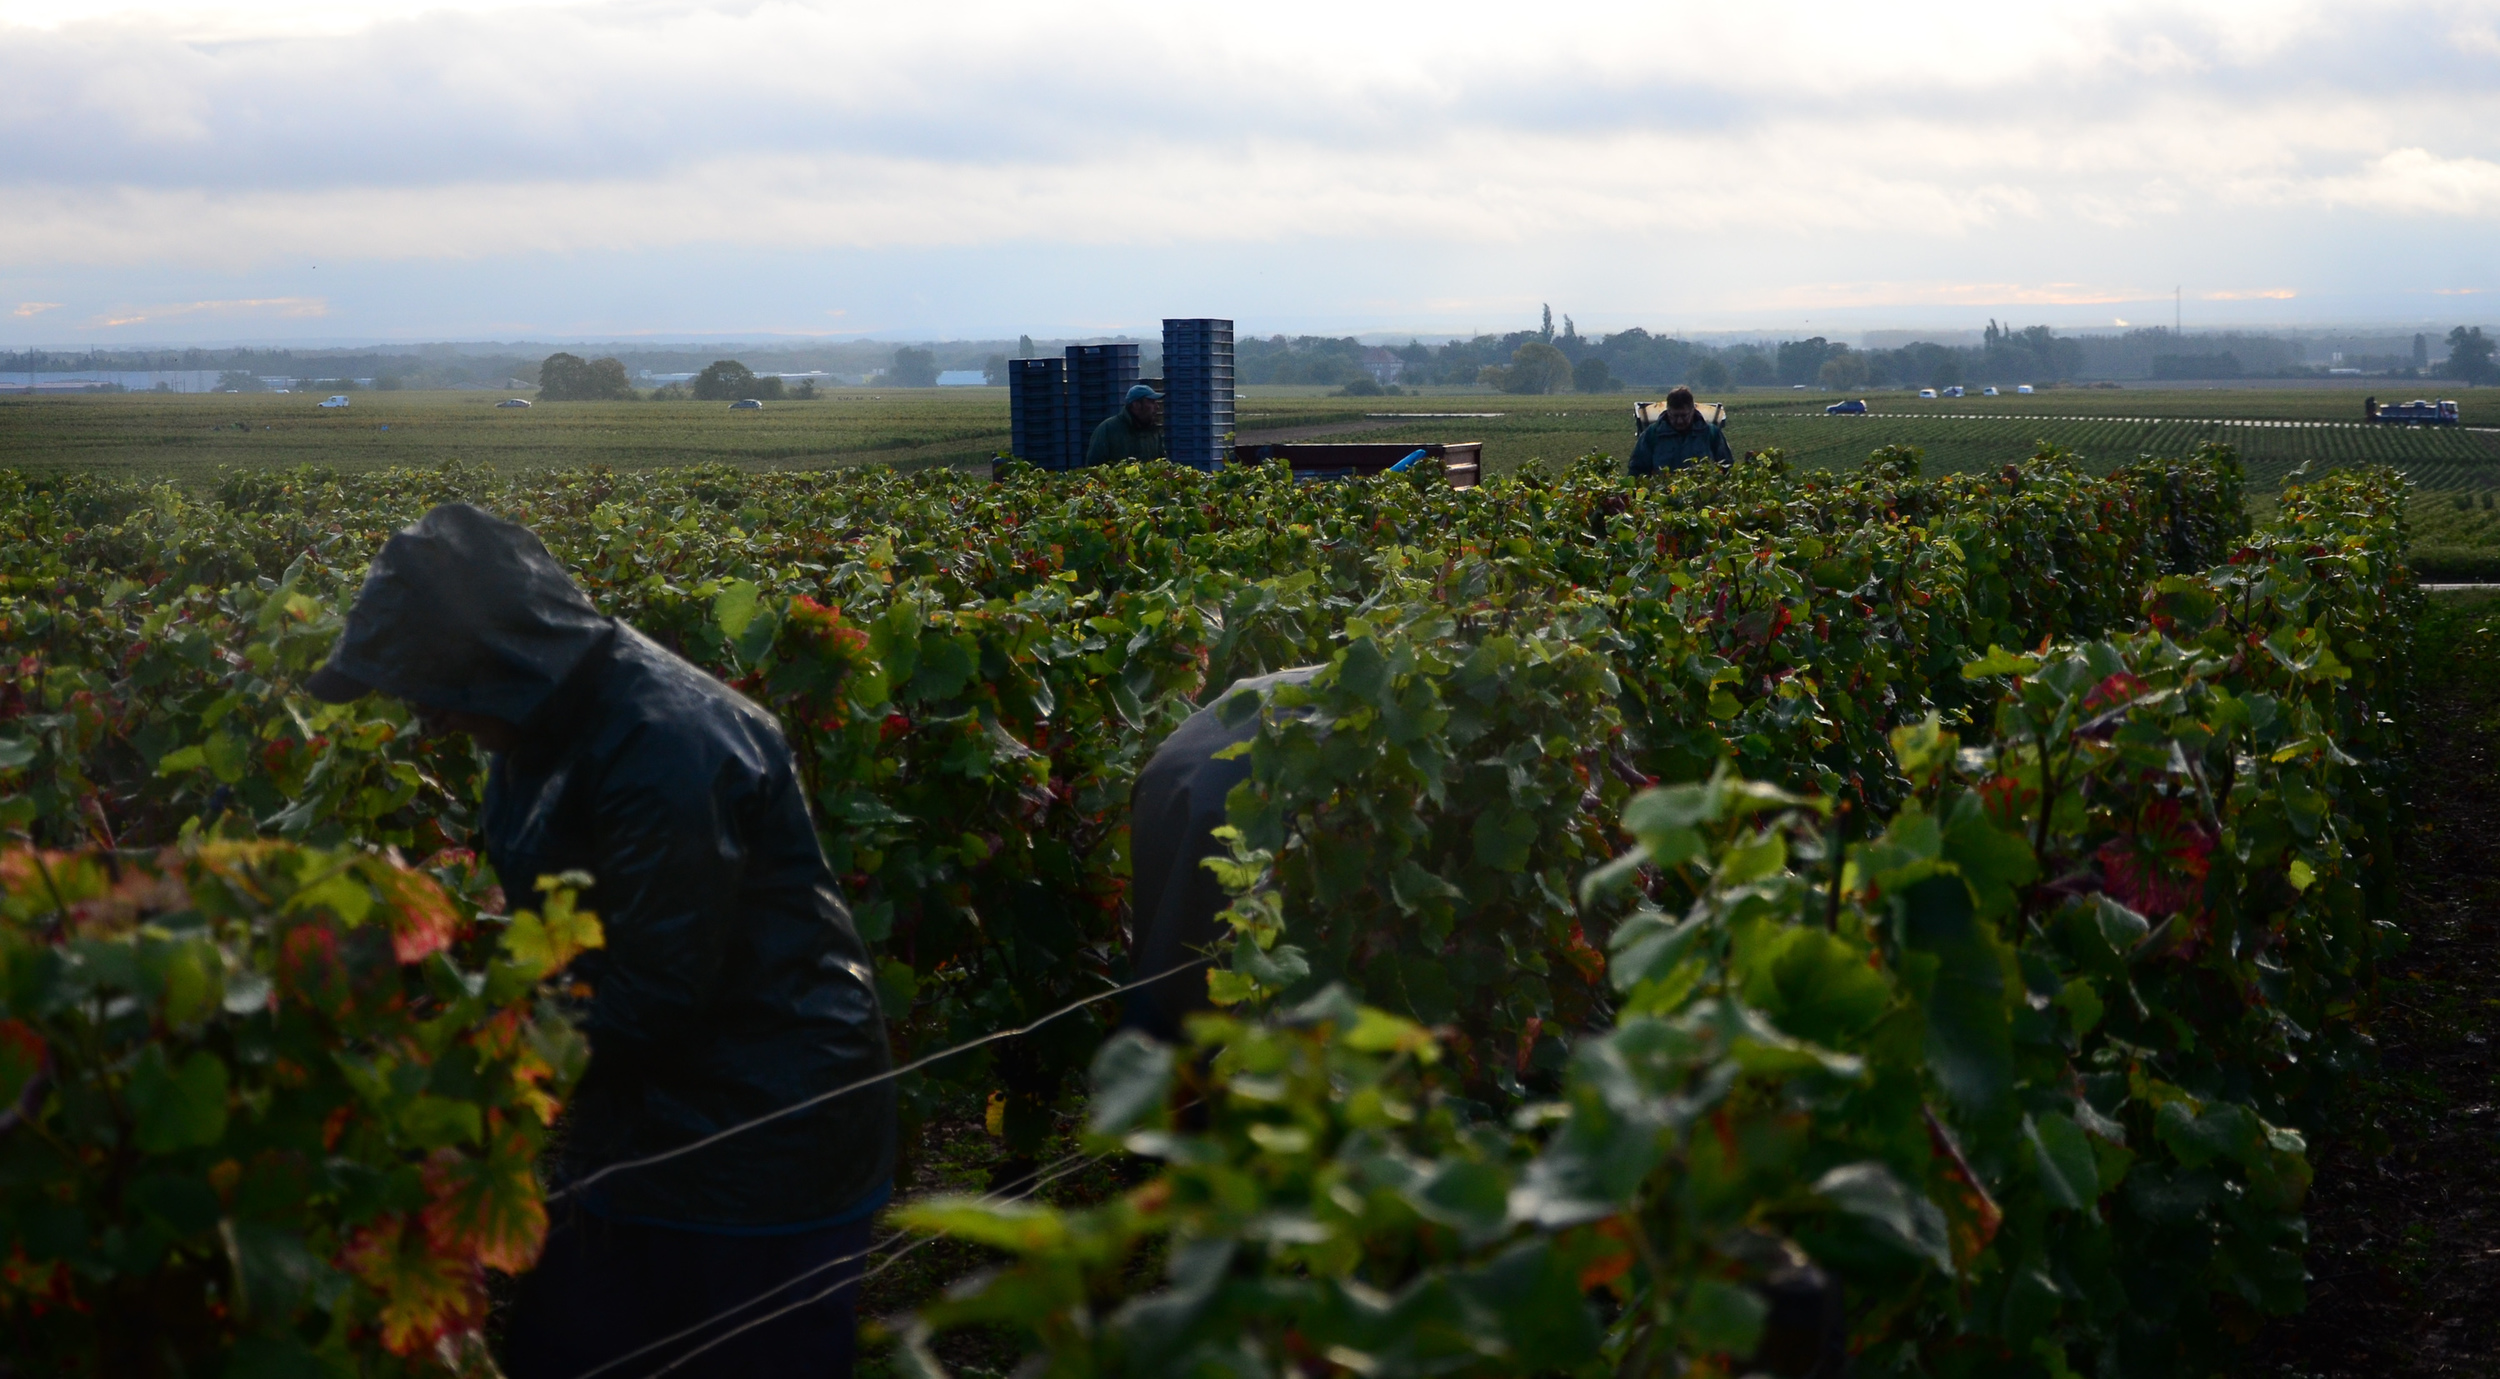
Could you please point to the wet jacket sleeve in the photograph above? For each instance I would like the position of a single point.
(670, 859)
(1645, 450)
(1718, 447)
(1177, 805)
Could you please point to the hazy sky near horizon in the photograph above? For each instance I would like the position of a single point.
(175, 170)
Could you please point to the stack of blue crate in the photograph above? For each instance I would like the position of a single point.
(1099, 377)
(1036, 397)
(1198, 397)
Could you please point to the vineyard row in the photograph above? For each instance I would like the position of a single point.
(972, 674)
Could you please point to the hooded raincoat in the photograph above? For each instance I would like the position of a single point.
(1178, 803)
(732, 983)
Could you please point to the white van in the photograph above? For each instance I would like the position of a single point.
(2023, 388)
(335, 400)
(1989, 391)
(1928, 393)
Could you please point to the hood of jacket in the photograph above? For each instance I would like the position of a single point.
(463, 612)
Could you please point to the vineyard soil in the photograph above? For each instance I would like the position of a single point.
(2405, 1214)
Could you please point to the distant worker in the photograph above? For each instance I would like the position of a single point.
(1679, 438)
(2369, 409)
(1135, 432)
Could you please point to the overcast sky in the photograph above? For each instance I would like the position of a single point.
(399, 169)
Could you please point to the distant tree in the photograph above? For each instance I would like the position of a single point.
(1535, 367)
(768, 388)
(2421, 350)
(1847, 369)
(1801, 361)
(806, 391)
(570, 378)
(1706, 372)
(912, 369)
(725, 380)
(1545, 331)
(1591, 375)
(1024, 347)
(2469, 355)
(994, 369)
(1752, 366)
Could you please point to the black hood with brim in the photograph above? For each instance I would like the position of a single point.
(463, 612)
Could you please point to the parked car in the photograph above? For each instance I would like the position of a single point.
(1855, 407)
(1927, 392)
(335, 400)
(746, 404)
(1989, 391)
(2023, 388)
(1954, 391)
(514, 402)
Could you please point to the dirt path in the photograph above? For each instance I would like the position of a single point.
(2252, 422)
(2405, 1215)
(1282, 434)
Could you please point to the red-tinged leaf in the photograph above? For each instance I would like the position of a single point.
(1608, 1253)
(22, 1056)
(487, 1208)
(38, 1287)
(423, 1295)
(421, 918)
(1974, 1213)
(2160, 866)
(312, 972)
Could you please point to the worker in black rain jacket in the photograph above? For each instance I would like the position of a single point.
(732, 984)
(1177, 805)
(1135, 432)
(1679, 438)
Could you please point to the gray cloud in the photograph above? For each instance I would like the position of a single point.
(1814, 145)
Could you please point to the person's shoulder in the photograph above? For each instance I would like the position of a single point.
(666, 702)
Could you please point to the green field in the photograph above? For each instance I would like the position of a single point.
(2275, 430)
(188, 437)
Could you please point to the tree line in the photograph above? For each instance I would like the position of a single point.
(1562, 359)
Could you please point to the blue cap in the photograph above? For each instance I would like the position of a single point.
(1139, 392)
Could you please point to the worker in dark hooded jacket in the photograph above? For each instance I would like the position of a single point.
(732, 984)
(1174, 810)
(1680, 437)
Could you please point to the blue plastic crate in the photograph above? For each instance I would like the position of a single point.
(1036, 405)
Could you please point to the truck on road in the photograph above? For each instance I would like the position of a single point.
(2418, 412)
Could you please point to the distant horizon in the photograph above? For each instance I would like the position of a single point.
(2436, 327)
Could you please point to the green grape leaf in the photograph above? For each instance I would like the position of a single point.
(1132, 1078)
(177, 1108)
